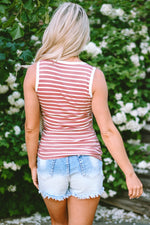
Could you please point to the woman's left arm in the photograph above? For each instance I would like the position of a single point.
(32, 122)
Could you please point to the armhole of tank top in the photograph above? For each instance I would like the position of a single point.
(37, 76)
(91, 81)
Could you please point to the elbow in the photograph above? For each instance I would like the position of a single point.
(29, 129)
(108, 132)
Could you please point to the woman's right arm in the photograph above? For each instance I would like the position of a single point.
(111, 135)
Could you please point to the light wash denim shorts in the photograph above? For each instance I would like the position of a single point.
(80, 176)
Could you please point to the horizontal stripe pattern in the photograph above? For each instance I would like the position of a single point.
(63, 92)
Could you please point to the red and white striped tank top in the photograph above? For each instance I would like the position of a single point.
(64, 90)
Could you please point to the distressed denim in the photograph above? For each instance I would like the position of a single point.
(80, 176)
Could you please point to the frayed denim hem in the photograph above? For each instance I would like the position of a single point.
(57, 198)
(88, 196)
(79, 196)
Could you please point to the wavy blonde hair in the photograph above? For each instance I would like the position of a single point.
(66, 35)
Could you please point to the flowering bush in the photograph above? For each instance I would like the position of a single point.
(120, 47)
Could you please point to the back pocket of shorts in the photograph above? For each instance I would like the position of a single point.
(45, 167)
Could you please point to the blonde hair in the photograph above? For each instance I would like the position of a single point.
(66, 35)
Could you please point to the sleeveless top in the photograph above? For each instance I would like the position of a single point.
(64, 90)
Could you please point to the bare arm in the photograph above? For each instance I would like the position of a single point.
(111, 135)
(32, 113)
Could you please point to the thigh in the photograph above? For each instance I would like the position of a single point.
(57, 211)
(81, 211)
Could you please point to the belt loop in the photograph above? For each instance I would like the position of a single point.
(52, 167)
(67, 165)
(82, 166)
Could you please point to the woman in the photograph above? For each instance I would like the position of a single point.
(66, 165)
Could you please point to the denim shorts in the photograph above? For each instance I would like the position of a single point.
(80, 176)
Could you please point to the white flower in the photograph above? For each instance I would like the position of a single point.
(12, 188)
(133, 13)
(16, 94)
(11, 165)
(143, 165)
(131, 22)
(21, 25)
(135, 59)
(127, 108)
(92, 48)
(133, 125)
(108, 161)
(119, 118)
(148, 70)
(19, 103)
(103, 44)
(37, 43)
(17, 66)
(122, 128)
(6, 134)
(119, 12)
(118, 96)
(127, 32)
(142, 111)
(17, 130)
(141, 57)
(11, 100)
(135, 91)
(12, 110)
(120, 103)
(142, 75)
(134, 142)
(103, 25)
(131, 46)
(144, 51)
(3, 89)
(144, 30)
(98, 21)
(34, 38)
(18, 52)
(110, 178)
(104, 195)
(50, 9)
(106, 9)
(24, 148)
(3, 19)
(147, 127)
(11, 79)
(112, 193)
(134, 113)
(144, 47)
(113, 14)
(13, 86)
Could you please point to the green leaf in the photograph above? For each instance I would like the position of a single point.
(2, 190)
(17, 32)
(3, 8)
(28, 5)
(26, 55)
(4, 144)
(5, 1)
(9, 22)
(2, 56)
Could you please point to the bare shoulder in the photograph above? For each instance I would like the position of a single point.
(99, 82)
(30, 76)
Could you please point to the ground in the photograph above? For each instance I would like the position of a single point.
(104, 215)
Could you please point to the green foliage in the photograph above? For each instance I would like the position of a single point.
(22, 25)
